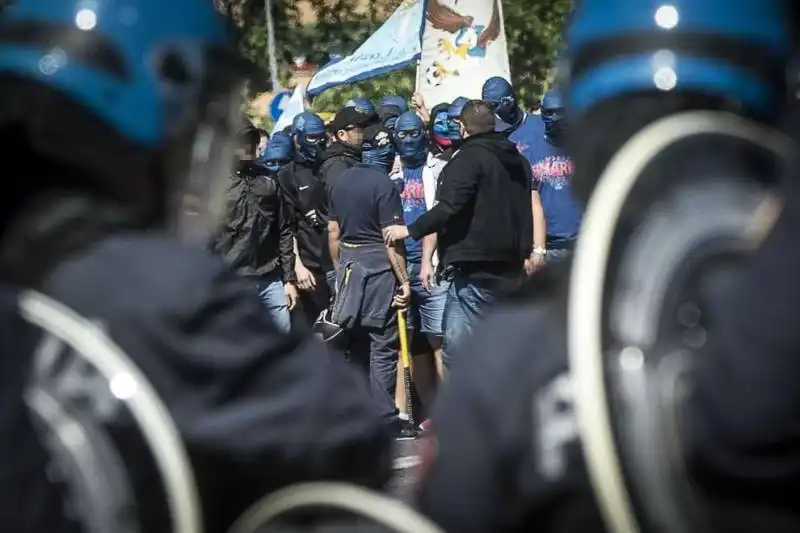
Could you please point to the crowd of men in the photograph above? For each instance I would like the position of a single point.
(397, 207)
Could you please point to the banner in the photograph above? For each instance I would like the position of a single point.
(394, 45)
(463, 45)
(295, 106)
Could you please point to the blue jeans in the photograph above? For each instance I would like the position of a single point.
(270, 289)
(426, 313)
(467, 301)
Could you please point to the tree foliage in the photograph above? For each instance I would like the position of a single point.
(533, 30)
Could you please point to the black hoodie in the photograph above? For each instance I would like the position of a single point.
(483, 215)
(336, 159)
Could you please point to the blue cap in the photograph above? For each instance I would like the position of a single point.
(362, 105)
(552, 100)
(394, 100)
(454, 111)
(736, 49)
(308, 123)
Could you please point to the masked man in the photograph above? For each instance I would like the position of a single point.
(552, 174)
(416, 180)
(304, 201)
(521, 127)
(454, 122)
(441, 145)
(368, 274)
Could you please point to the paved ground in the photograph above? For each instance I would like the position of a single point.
(406, 463)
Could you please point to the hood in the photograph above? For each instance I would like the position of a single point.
(498, 143)
(340, 149)
(249, 169)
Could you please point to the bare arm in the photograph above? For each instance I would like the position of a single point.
(539, 221)
(397, 258)
(428, 247)
(334, 236)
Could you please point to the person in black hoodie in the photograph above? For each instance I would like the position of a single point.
(483, 221)
(304, 201)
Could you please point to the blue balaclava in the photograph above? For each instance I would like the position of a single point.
(309, 133)
(395, 101)
(553, 116)
(410, 140)
(378, 150)
(453, 115)
(498, 93)
(278, 153)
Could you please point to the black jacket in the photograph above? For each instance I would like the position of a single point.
(336, 159)
(257, 410)
(303, 193)
(256, 237)
(483, 215)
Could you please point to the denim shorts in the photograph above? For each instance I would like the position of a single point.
(426, 313)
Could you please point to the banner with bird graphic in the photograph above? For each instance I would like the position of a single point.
(463, 45)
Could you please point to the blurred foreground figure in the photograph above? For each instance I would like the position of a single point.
(648, 386)
(118, 121)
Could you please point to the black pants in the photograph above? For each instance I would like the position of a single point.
(313, 302)
(375, 350)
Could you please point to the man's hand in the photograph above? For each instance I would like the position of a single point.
(305, 279)
(392, 234)
(403, 297)
(291, 295)
(312, 217)
(418, 105)
(534, 263)
(426, 276)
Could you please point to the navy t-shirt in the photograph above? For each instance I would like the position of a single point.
(412, 194)
(531, 129)
(364, 201)
(552, 171)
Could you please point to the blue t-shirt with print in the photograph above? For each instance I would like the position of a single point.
(552, 171)
(412, 194)
(528, 133)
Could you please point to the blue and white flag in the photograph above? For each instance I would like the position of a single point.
(396, 44)
(294, 107)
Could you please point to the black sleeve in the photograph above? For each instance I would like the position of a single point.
(258, 410)
(390, 207)
(286, 238)
(458, 186)
(743, 425)
(289, 197)
(502, 462)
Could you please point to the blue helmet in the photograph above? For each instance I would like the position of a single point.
(499, 94)
(308, 130)
(394, 101)
(736, 49)
(410, 140)
(362, 105)
(453, 114)
(278, 152)
(114, 88)
(553, 115)
(140, 66)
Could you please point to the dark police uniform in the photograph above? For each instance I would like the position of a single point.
(364, 201)
(247, 400)
(512, 461)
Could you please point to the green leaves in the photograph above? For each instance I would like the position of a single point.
(533, 29)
